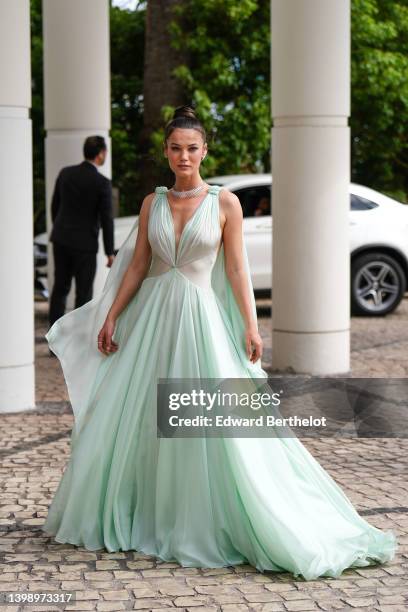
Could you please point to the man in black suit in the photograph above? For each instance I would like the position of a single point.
(81, 203)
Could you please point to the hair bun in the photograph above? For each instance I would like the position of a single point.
(184, 111)
(184, 117)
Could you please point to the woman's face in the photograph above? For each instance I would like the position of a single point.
(185, 149)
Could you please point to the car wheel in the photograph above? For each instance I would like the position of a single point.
(377, 284)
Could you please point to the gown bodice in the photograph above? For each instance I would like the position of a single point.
(196, 252)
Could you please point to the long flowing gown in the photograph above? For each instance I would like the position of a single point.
(203, 502)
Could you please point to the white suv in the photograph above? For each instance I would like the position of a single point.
(378, 241)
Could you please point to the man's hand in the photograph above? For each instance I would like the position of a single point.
(110, 261)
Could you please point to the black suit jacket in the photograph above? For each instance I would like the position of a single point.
(81, 203)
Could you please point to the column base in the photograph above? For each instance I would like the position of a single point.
(317, 353)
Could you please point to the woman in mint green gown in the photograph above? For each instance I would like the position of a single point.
(179, 303)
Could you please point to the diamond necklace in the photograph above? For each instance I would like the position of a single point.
(187, 194)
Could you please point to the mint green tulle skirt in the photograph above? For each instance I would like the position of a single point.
(202, 502)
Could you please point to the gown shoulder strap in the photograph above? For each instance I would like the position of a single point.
(214, 189)
(161, 189)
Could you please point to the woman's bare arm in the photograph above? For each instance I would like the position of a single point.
(236, 272)
(138, 266)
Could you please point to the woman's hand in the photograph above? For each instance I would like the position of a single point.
(105, 343)
(254, 344)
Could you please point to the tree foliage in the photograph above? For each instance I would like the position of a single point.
(228, 79)
(127, 55)
(37, 116)
(379, 101)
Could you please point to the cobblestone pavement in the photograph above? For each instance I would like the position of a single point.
(35, 449)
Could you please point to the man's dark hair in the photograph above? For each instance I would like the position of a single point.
(93, 145)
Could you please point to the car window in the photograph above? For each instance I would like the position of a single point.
(359, 203)
(255, 201)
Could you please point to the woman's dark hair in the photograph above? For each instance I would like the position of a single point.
(93, 145)
(184, 117)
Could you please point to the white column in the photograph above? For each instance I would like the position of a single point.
(76, 94)
(16, 214)
(310, 168)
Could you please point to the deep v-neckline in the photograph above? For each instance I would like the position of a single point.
(177, 247)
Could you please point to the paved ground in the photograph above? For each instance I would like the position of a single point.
(35, 448)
